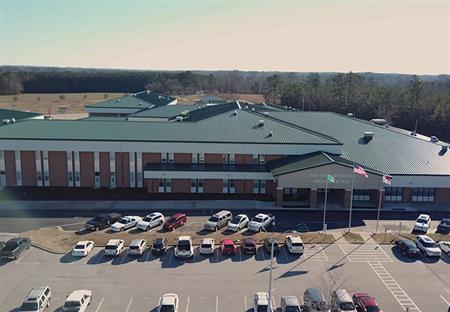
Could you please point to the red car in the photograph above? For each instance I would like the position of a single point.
(249, 246)
(174, 222)
(228, 247)
(365, 303)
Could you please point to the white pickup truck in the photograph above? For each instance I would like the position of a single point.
(260, 222)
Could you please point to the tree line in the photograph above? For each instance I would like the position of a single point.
(400, 99)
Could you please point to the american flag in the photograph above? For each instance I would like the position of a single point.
(387, 179)
(359, 170)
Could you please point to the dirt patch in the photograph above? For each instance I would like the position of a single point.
(353, 238)
(390, 238)
(317, 238)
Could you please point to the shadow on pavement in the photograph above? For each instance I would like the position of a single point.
(403, 258)
(293, 273)
(68, 258)
(99, 258)
(168, 261)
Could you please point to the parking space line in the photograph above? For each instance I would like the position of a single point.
(217, 255)
(217, 303)
(129, 304)
(283, 250)
(23, 256)
(101, 302)
(365, 253)
(171, 254)
(245, 303)
(148, 256)
(263, 255)
(446, 302)
(187, 304)
(394, 288)
(123, 258)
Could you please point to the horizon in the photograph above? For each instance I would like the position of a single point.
(329, 36)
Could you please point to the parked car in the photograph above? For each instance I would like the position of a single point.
(228, 247)
(150, 221)
(15, 247)
(168, 303)
(428, 246)
(174, 222)
(261, 302)
(184, 247)
(268, 242)
(445, 247)
(365, 303)
(102, 221)
(407, 248)
(137, 247)
(82, 249)
(114, 247)
(290, 304)
(218, 220)
(2, 244)
(294, 244)
(249, 246)
(207, 246)
(237, 223)
(444, 226)
(341, 301)
(314, 300)
(125, 223)
(77, 301)
(260, 222)
(422, 224)
(37, 300)
(159, 246)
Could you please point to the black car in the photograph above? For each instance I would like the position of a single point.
(102, 221)
(407, 248)
(159, 246)
(444, 226)
(268, 245)
(14, 247)
(2, 244)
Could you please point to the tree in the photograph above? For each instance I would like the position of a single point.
(15, 98)
(105, 96)
(62, 97)
(273, 89)
(10, 84)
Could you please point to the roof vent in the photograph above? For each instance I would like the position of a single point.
(6, 121)
(118, 100)
(261, 123)
(148, 91)
(246, 107)
(13, 120)
(379, 121)
(185, 113)
(234, 112)
(253, 109)
(134, 94)
(179, 118)
(443, 150)
(349, 114)
(434, 139)
(266, 113)
(368, 136)
(270, 133)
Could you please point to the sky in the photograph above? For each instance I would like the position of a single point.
(324, 36)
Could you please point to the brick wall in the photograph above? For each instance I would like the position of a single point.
(152, 185)
(151, 158)
(406, 194)
(123, 169)
(183, 158)
(87, 169)
(273, 157)
(213, 158)
(28, 168)
(181, 185)
(242, 159)
(313, 198)
(10, 168)
(213, 186)
(442, 196)
(104, 169)
(57, 164)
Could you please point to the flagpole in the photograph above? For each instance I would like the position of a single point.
(379, 205)
(325, 204)
(351, 204)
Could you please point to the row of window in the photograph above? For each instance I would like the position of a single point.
(199, 158)
(198, 185)
(418, 194)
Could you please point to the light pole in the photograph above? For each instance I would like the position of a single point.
(272, 240)
(351, 204)
(379, 206)
(325, 205)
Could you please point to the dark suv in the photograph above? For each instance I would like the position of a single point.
(249, 246)
(407, 248)
(102, 221)
(14, 247)
(444, 226)
(159, 246)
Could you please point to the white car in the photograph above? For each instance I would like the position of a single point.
(428, 246)
(77, 301)
(125, 223)
(150, 221)
(260, 222)
(184, 247)
(445, 247)
(207, 246)
(137, 247)
(422, 224)
(114, 247)
(261, 302)
(82, 249)
(294, 244)
(168, 303)
(238, 223)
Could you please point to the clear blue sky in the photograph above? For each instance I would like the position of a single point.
(379, 36)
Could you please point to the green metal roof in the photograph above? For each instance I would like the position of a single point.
(225, 127)
(17, 115)
(165, 111)
(389, 151)
(141, 100)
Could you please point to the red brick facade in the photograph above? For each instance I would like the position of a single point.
(10, 163)
(213, 158)
(28, 160)
(213, 186)
(181, 185)
(104, 169)
(183, 158)
(442, 196)
(87, 169)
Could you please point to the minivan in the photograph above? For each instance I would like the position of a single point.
(218, 220)
(341, 301)
(37, 300)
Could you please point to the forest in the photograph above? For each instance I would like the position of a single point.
(401, 99)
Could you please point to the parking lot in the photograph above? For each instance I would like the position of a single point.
(218, 283)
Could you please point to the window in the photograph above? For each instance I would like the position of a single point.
(195, 158)
(393, 194)
(262, 159)
(255, 159)
(262, 186)
(46, 175)
(164, 158)
(171, 158)
(361, 195)
(232, 184)
(201, 158)
(423, 194)
(231, 159)
(225, 158)
(255, 186)
(77, 176)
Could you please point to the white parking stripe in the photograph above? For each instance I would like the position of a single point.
(365, 253)
(217, 303)
(399, 294)
(98, 308)
(262, 253)
(446, 302)
(23, 256)
(148, 256)
(171, 254)
(245, 303)
(129, 304)
(123, 258)
(187, 305)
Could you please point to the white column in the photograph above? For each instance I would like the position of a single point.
(39, 169)
(112, 170)
(70, 169)
(77, 169)
(96, 170)
(139, 176)
(2, 169)
(132, 169)
(46, 172)
(18, 168)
